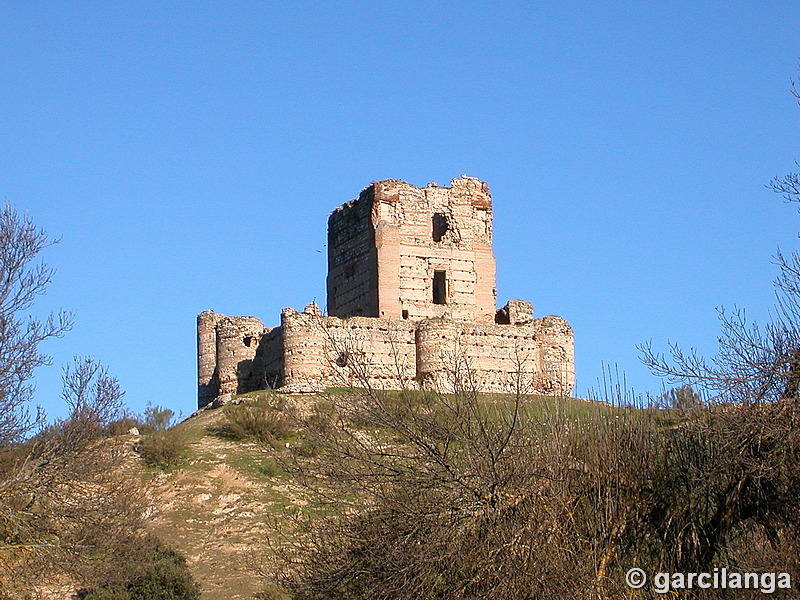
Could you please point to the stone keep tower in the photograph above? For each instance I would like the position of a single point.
(402, 252)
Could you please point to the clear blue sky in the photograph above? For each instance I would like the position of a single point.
(188, 154)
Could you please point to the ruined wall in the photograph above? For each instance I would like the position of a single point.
(461, 248)
(320, 352)
(207, 380)
(520, 358)
(537, 357)
(515, 312)
(411, 298)
(385, 247)
(269, 359)
(352, 281)
(557, 355)
(238, 339)
(236, 355)
(309, 352)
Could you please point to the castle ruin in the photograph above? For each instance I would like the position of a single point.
(411, 303)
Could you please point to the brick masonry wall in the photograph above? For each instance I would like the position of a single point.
(464, 251)
(352, 281)
(325, 352)
(309, 352)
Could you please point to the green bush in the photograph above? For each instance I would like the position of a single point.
(263, 421)
(271, 592)
(319, 425)
(157, 418)
(153, 572)
(123, 425)
(163, 448)
(269, 467)
(154, 418)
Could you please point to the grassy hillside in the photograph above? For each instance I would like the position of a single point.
(476, 496)
(228, 500)
(218, 506)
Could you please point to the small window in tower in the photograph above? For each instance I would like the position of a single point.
(404, 314)
(439, 287)
(248, 341)
(441, 225)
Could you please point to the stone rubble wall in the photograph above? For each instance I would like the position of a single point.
(208, 381)
(515, 312)
(238, 339)
(236, 355)
(352, 259)
(309, 352)
(321, 352)
(270, 354)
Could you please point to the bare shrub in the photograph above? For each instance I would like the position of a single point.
(467, 496)
(464, 496)
(735, 473)
(67, 502)
(21, 281)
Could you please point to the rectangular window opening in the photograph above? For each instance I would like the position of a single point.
(439, 287)
(441, 225)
